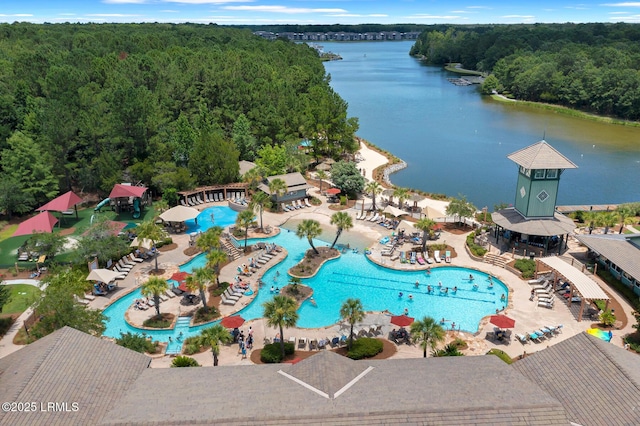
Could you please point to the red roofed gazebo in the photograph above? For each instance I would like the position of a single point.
(122, 191)
(43, 222)
(129, 198)
(63, 204)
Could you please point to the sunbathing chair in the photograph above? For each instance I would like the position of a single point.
(522, 338)
(412, 260)
(420, 259)
(124, 266)
(308, 204)
(534, 337)
(548, 305)
(313, 344)
(447, 256)
(302, 343)
(436, 256)
(170, 294)
(134, 258)
(183, 202)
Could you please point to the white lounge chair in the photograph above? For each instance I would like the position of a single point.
(183, 202)
(436, 256)
(134, 258)
(306, 201)
(302, 343)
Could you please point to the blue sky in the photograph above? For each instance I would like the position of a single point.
(229, 12)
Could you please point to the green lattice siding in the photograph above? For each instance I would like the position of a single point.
(524, 187)
(542, 204)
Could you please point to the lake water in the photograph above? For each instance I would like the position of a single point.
(455, 141)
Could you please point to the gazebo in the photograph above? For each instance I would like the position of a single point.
(129, 197)
(533, 225)
(63, 204)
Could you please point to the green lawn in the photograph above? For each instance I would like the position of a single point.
(637, 227)
(9, 246)
(22, 296)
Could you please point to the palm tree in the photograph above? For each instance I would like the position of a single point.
(401, 194)
(594, 219)
(148, 230)
(626, 217)
(427, 332)
(154, 287)
(199, 280)
(374, 188)
(425, 225)
(260, 201)
(161, 205)
(277, 188)
(215, 258)
(321, 175)
(253, 178)
(281, 312)
(449, 350)
(310, 229)
(353, 312)
(214, 336)
(609, 219)
(244, 221)
(343, 222)
(210, 239)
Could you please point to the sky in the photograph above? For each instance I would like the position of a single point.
(263, 12)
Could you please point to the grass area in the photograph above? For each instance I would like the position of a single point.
(615, 283)
(501, 354)
(637, 227)
(7, 231)
(452, 68)
(568, 111)
(9, 246)
(22, 296)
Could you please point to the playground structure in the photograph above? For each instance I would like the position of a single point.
(125, 197)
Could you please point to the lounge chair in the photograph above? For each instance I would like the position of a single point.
(322, 343)
(302, 343)
(522, 338)
(306, 201)
(170, 294)
(412, 260)
(292, 340)
(420, 259)
(313, 344)
(436, 256)
(134, 258)
(123, 265)
(447, 256)
(534, 337)
(548, 305)
(335, 342)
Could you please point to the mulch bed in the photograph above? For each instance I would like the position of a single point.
(168, 247)
(388, 350)
(312, 261)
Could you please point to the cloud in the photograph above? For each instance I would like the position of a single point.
(282, 9)
(16, 15)
(623, 4)
(207, 1)
(518, 16)
(427, 16)
(109, 15)
(124, 1)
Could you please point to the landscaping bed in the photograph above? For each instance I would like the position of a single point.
(312, 262)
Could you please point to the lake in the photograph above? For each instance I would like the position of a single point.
(455, 141)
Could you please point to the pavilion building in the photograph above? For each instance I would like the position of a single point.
(533, 226)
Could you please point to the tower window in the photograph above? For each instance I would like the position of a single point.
(539, 174)
(552, 173)
(542, 196)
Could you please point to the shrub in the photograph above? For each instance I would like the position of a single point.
(5, 324)
(192, 345)
(220, 289)
(626, 291)
(205, 315)
(607, 318)
(157, 322)
(271, 354)
(526, 266)
(365, 347)
(184, 361)
(137, 342)
(476, 249)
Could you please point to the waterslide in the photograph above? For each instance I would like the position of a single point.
(136, 208)
(101, 204)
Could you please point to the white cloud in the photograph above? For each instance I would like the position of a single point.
(16, 15)
(427, 16)
(208, 1)
(623, 4)
(518, 16)
(169, 11)
(282, 9)
(109, 15)
(124, 1)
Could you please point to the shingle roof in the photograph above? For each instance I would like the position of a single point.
(616, 248)
(541, 155)
(67, 366)
(464, 390)
(588, 288)
(597, 382)
(512, 220)
(295, 181)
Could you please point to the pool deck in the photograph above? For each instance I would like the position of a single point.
(527, 314)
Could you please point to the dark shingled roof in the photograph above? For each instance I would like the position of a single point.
(67, 366)
(513, 220)
(617, 248)
(463, 390)
(596, 382)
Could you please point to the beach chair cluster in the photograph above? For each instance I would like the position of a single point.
(542, 289)
(537, 336)
(269, 252)
(234, 293)
(124, 265)
(296, 205)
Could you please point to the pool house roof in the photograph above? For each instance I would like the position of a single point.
(619, 249)
(513, 220)
(541, 155)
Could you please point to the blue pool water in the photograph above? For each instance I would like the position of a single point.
(353, 275)
(221, 216)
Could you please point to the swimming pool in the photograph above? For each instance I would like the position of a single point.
(221, 216)
(353, 275)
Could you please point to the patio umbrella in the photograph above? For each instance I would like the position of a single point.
(42, 222)
(401, 320)
(179, 214)
(432, 213)
(179, 276)
(145, 243)
(502, 321)
(103, 275)
(333, 191)
(232, 322)
(393, 211)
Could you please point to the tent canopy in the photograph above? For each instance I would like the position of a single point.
(42, 222)
(120, 191)
(394, 211)
(432, 213)
(103, 275)
(179, 214)
(145, 243)
(62, 203)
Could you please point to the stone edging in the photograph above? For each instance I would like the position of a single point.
(393, 168)
(471, 255)
(317, 270)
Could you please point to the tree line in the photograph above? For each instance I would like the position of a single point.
(85, 106)
(591, 67)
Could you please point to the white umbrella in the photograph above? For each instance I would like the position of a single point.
(145, 243)
(179, 214)
(103, 275)
(432, 213)
(394, 211)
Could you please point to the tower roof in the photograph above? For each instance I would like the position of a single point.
(541, 155)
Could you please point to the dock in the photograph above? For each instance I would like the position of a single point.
(587, 208)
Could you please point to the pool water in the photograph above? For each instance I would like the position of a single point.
(350, 276)
(221, 216)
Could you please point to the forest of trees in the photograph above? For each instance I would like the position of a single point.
(85, 106)
(591, 67)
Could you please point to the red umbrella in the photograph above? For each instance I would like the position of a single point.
(333, 191)
(502, 321)
(43, 222)
(401, 320)
(232, 322)
(180, 276)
